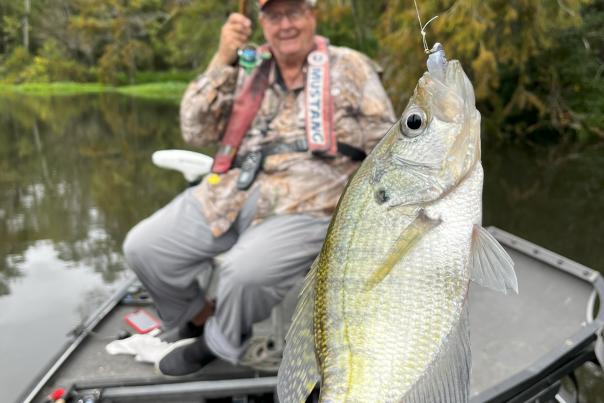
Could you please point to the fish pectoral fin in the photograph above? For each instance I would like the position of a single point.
(490, 264)
(408, 239)
(298, 372)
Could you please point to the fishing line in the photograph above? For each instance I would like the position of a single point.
(423, 28)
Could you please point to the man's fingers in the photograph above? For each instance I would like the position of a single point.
(235, 40)
(241, 30)
(240, 19)
(235, 34)
(239, 24)
(240, 39)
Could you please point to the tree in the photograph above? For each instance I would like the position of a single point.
(10, 26)
(194, 31)
(25, 27)
(124, 27)
(533, 63)
(501, 45)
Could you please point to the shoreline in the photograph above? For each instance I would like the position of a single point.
(162, 91)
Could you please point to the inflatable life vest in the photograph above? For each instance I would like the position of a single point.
(320, 136)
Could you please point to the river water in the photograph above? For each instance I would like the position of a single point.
(76, 174)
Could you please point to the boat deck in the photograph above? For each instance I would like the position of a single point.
(514, 338)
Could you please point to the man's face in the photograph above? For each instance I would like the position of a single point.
(289, 27)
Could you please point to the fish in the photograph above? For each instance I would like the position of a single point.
(383, 313)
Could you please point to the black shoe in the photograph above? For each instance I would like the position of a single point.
(185, 331)
(185, 357)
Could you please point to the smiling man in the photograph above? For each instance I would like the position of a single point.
(291, 132)
(289, 28)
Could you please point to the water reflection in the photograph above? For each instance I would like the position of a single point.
(553, 197)
(76, 171)
(51, 298)
(75, 175)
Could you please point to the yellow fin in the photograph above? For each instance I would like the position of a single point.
(408, 239)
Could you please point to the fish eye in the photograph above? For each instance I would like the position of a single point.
(413, 122)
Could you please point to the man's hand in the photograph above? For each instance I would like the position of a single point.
(234, 35)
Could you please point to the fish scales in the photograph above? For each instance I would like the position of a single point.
(383, 316)
(407, 315)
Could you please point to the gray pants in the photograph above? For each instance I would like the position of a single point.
(260, 264)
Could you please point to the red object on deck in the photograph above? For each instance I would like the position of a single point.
(142, 321)
(57, 394)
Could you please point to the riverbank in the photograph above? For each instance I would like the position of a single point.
(170, 91)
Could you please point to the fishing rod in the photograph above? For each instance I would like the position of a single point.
(243, 7)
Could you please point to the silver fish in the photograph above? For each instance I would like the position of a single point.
(383, 314)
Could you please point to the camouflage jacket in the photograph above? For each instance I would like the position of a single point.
(290, 183)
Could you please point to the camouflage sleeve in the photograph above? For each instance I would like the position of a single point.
(206, 105)
(376, 114)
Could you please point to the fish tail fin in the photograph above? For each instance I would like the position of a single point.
(490, 264)
(299, 373)
(447, 379)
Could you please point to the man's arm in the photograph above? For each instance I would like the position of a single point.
(206, 104)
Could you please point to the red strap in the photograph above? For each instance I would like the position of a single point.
(246, 106)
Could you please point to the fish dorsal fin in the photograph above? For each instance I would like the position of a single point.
(490, 264)
(299, 372)
(408, 239)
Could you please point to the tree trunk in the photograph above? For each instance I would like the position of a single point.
(26, 9)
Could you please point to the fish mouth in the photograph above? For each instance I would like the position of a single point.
(429, 165)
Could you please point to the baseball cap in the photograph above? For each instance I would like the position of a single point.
(262, 3)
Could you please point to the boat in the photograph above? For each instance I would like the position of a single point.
(523, 346)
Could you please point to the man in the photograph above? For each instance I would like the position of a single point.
(292, 133)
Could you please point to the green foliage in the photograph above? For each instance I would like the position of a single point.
(573, 71)
(164, 91)
(14, 64)
(351, 23)
(10, 31)
(122, 57)
(60, 67)
(127, 26)
(194, 31)
(170, 92)
(510, 50)
(536, 65)
(55, 88)
(51, 64)
(145, 77)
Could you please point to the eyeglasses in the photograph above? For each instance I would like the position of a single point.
(293, 14)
